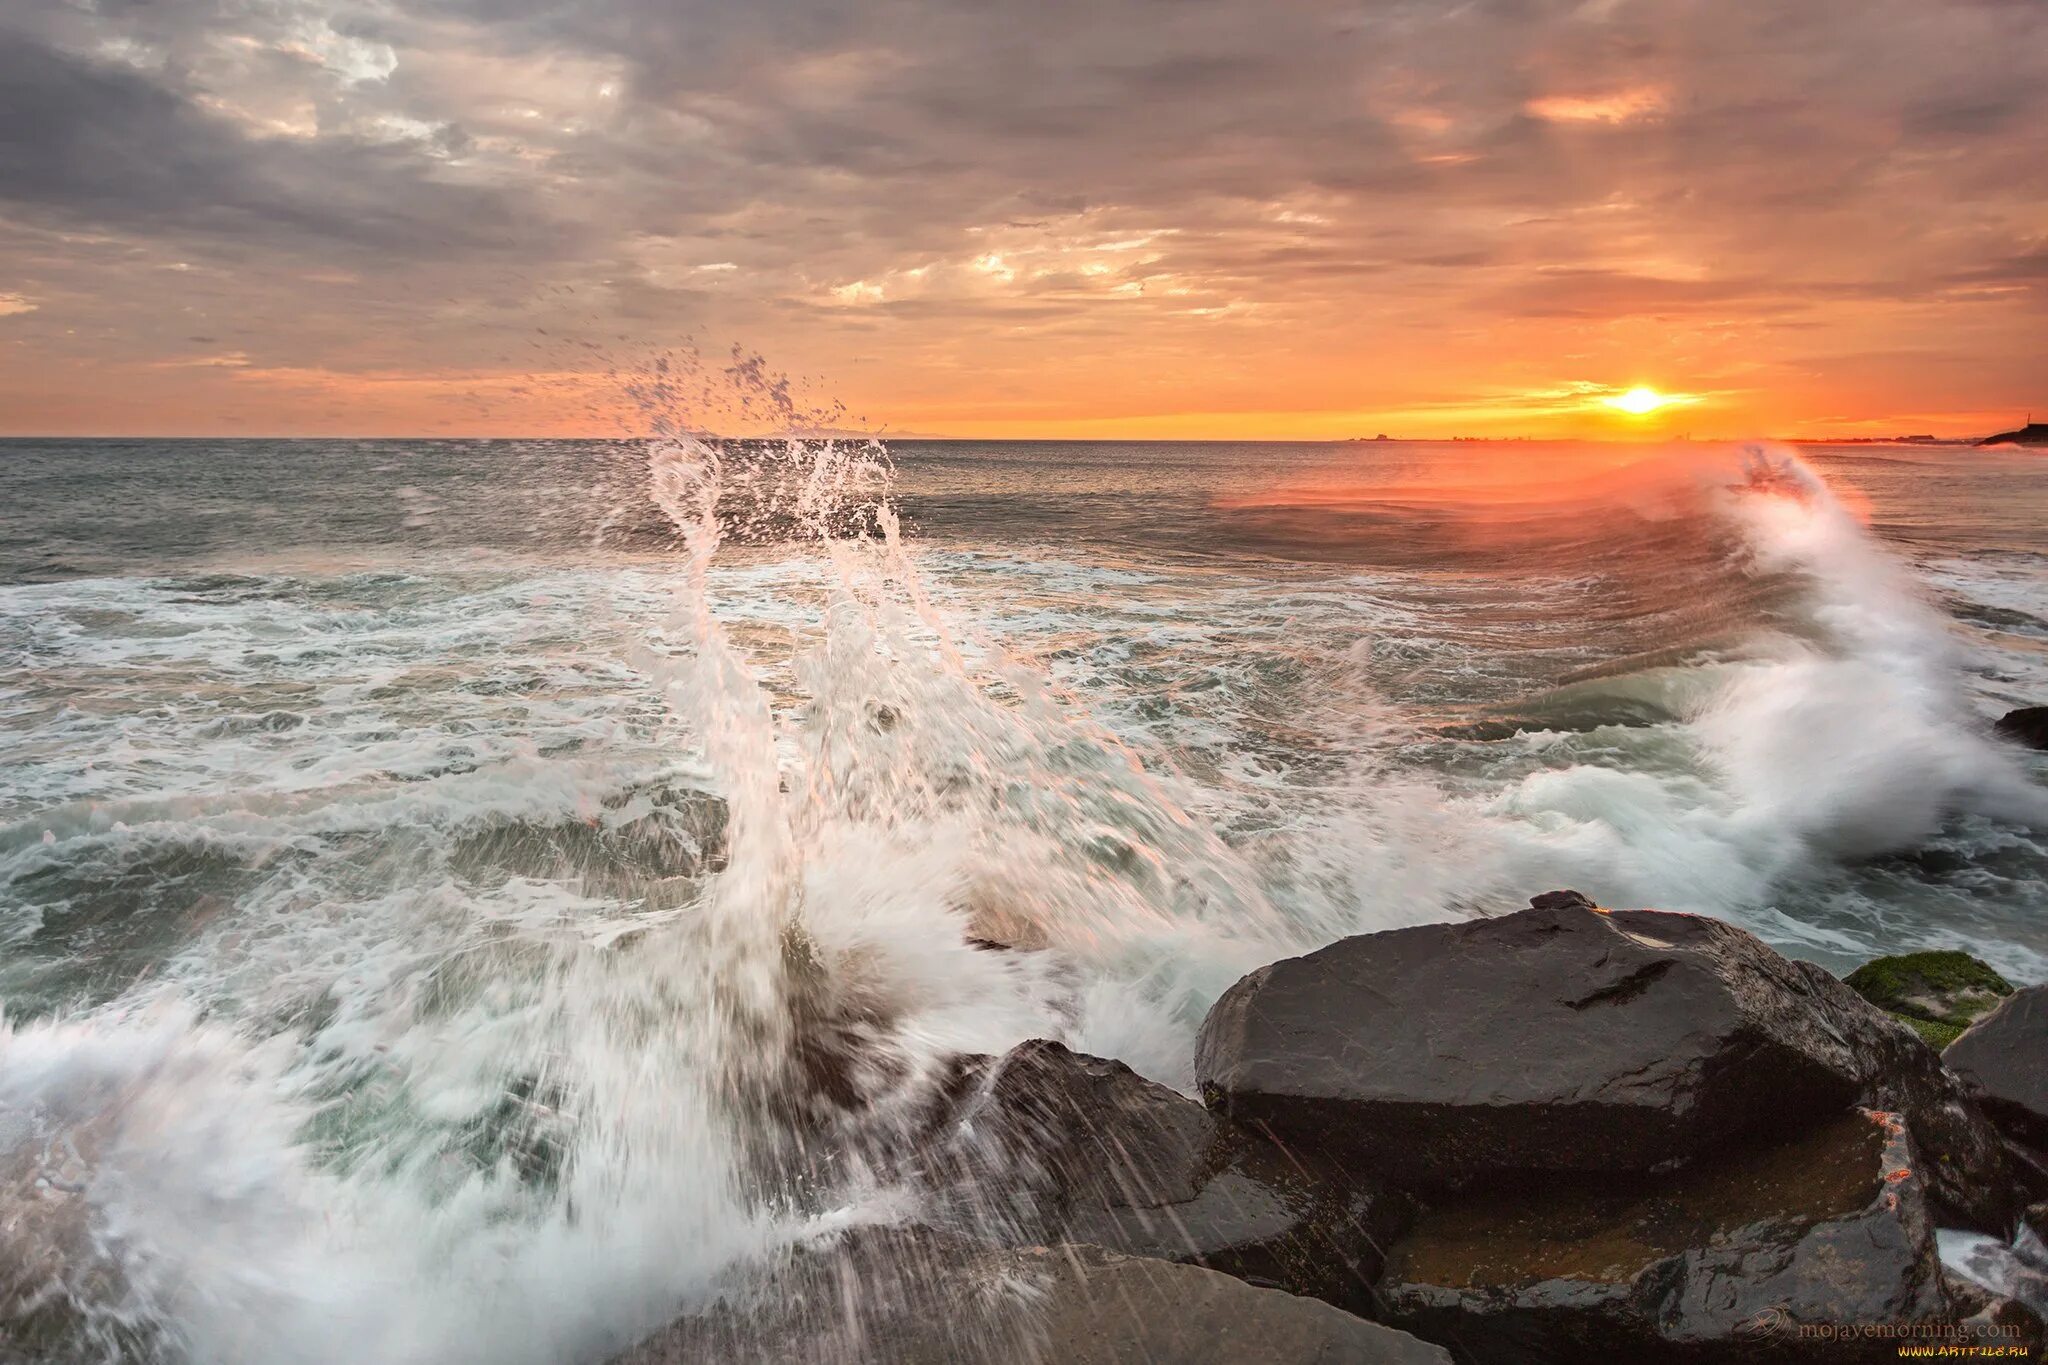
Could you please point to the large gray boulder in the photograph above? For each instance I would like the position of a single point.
(2003, 1060)
(915, 1297)
(1056, 1146)
(1757, 1255)
(1566, 1039)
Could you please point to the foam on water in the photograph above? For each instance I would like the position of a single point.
(1839, 733)
(517, 1126)
(510, 1016)
(1844, 733)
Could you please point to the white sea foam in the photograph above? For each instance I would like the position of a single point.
(516, 1122)
(1844, 732)
(423, 1086)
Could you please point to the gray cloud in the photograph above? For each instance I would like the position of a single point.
(426, 180)
(103, 144)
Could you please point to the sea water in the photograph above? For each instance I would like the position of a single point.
(424, 865)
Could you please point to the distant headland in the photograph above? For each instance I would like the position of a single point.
(2031, 434)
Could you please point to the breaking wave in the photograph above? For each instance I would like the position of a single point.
(499, 1034)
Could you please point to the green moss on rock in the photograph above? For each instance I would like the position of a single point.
(1939, 993)
(1938, 1036)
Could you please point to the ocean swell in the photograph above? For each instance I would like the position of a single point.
(475, 967)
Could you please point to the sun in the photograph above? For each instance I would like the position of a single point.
(1639, 401)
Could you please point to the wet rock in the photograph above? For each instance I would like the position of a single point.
(1566, 1039)
(1971, 1180)
(849, 1089)
(1986, 1318)
(1937, 994)
(2028, 726)
(1054, 1145)
(44, 1232)
(2003, 1061)
(65, 1292)
(1752, 1255)
(2001, 1282)
(915, 1297)
(2029, 1168)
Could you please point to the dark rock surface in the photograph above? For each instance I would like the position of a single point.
(1989, 1318)
(1998, 1282)
(2028, 726)
(1724, 1261)
(915, 1297)
(1567, 1039)
(1054, 1146)
(2003, 1060)
(1970, 1179)
(1562, 900)
(1938, 994)
(2007, 1323)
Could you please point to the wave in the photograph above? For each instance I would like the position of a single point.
(512, 1057)
(1829, 730)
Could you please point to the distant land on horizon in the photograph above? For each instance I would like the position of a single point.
(2032, 434)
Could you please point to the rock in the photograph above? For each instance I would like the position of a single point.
(1937, 994)
(848, 1078)
(1986, 1318)
(2028, 726)
(1562, 900)
(1570, 1040)
(1971, 1181)
(1057, 1146)
(916, 1297)
(1726, 1260)
(46, 1237)
(2003, 1061)
(2030, 1171)
(2009, 1280)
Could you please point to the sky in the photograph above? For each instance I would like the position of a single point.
(1066, 218)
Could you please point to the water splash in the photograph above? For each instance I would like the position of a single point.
(531, 1129)
(433, 1098)
(1831, 728)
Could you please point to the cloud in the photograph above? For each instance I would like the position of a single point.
(106, 144)
(10, 304)
(228, 360)
(1619, 106)
(1579, 292)
(935, 200)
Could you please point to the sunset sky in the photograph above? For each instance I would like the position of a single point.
(1108, 218)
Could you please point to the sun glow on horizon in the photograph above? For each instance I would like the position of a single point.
(1639, 401)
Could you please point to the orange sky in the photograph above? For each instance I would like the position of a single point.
(1297, 220)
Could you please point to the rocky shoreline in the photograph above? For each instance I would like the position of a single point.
(1562, 1134)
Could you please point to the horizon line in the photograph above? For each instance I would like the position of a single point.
(1684, 439)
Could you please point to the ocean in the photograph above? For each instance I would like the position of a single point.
(405, 845)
